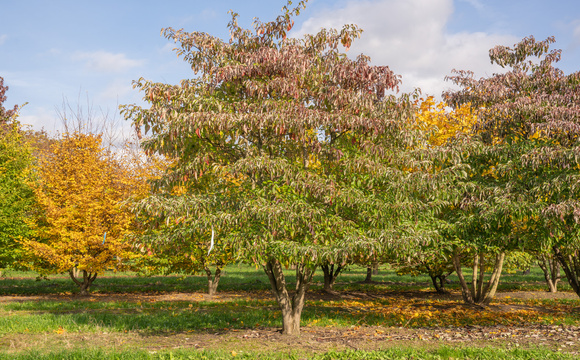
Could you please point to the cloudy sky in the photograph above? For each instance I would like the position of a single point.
(79, 53)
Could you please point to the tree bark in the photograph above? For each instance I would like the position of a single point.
(369, 277)
(330, 275)
(551, 269)
(477, 293)
(212, 280)
(438, 283)
(291, 306)
(571, 266)
(86, 283)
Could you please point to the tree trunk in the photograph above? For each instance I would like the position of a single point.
(438, 283)
(375, 268)
(212, 281)
(291, 307)
(571, 266)
(551, 268)
(85, 284)
(369, 277)
(477, 293)
(330, 275)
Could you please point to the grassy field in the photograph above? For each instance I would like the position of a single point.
(171, 317)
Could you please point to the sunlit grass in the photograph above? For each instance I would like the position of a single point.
(240, 277)
(183, 316)
(439, 353)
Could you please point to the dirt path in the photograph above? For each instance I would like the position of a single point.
(312, 339)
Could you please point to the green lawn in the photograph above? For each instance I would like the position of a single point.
(171, 317)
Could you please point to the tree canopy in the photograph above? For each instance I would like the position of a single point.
(287, 148)
(522, 188)
(16, 196)
(81, 221)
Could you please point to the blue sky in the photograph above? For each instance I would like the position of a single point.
(87, 54)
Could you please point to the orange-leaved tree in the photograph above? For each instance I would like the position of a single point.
(80, 190)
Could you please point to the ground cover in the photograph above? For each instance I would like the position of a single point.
(167, 317)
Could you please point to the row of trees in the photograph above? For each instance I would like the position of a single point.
(286, 152)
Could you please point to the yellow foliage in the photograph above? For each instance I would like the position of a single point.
(442, 124)
(80, 190)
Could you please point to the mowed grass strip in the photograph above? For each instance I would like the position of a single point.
(442, 353)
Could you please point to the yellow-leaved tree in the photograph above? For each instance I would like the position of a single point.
(80, 189)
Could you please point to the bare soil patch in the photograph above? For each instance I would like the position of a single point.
(312, 339)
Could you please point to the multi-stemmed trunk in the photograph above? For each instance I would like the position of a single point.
(477, 293)
(212, 280)
(330, 275)
(571, 266)
(438, 277)
(291, 306)
(85, 283)
(551, 268)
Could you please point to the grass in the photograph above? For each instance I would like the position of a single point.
(390, 354)
(247, 278)
(127, 312)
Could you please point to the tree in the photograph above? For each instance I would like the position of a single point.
(5, 114)
(441, 127)
(193, 254)
(288, 149)
(522, 192)
(551, 269)
(16, 196)
(82, 223)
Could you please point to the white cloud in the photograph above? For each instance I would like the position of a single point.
(40, 118)
(411, 38)
(3, 38)
(107, 62)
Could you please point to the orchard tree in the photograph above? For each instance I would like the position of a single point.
(441, 127)
(16, 196)
(523, 190)
(178, 247)
(288, 149)
(81, 221)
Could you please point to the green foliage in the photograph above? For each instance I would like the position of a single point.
(16, 195)
(283, 146)
(522, 190)
(290, 150)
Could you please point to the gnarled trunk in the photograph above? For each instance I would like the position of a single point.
(212, 280)
(330, 275)
(477, 294)
(571, 266)
(291, 306)
(86, 282)
(551, 268)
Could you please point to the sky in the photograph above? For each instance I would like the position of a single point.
(67, 57)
